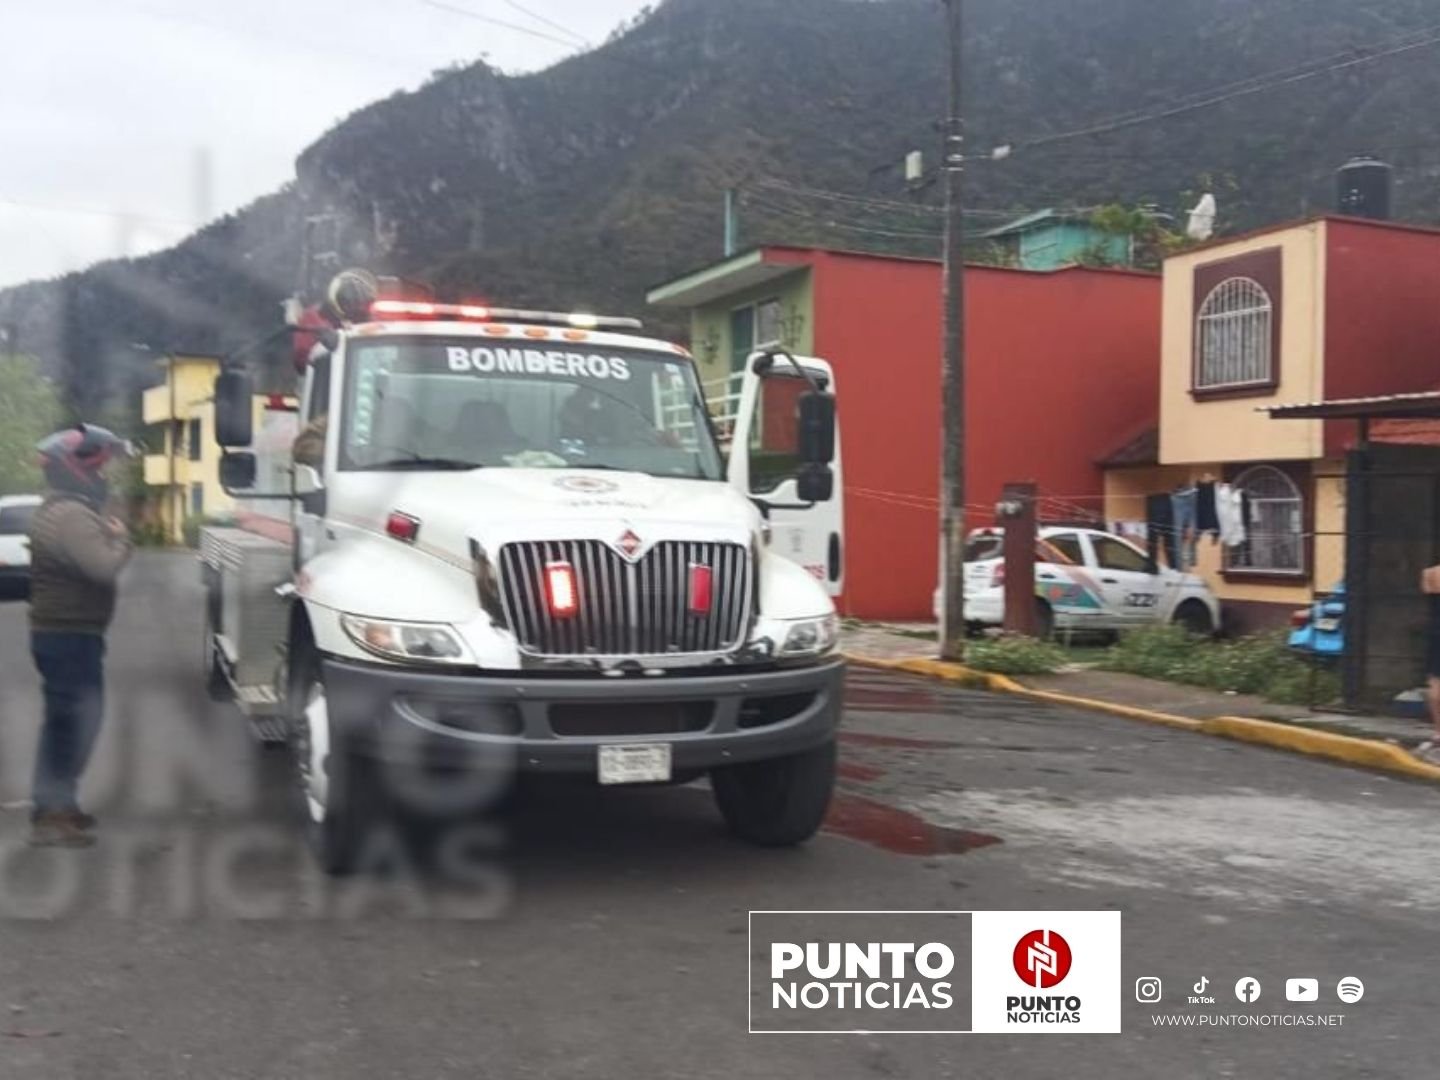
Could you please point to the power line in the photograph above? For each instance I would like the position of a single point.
(349, 54)
(776, 188)
(56, 208)
(1285, 78)
(837, 196)
(832, 223)
(467, 13)
(1269, 77)
(513, 5)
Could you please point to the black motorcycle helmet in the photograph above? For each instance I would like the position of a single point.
(74, 459)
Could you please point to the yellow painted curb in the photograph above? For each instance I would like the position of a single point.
(1370, 753)
(941, 669)
(1130, 712)
(1367, 753)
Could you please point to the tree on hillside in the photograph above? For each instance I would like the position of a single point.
(1151, 237)
(29, 410)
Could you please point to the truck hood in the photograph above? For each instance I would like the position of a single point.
(495, 506)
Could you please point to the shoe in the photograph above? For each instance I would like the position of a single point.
(58, 828)
(81, 820)
(1427, 751)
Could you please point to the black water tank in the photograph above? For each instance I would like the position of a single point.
(1363, 188)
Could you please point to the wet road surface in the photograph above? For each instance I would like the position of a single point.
(607, 935)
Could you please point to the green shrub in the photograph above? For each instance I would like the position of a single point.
(1013, 654)
(1304, 684)
(1261, 665)
(148, 534)
(190, 530)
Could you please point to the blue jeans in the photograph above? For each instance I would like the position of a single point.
(1183, 513)
(72, 667)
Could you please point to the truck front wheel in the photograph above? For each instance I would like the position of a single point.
(776, 803)
(338, 791)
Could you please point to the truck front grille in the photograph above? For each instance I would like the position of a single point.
(625, 608)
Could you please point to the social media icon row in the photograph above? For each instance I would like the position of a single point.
(1149, 989)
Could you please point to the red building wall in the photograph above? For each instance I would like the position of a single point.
(1382, 314)
(1062, 367)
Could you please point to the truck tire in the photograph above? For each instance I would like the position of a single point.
(338, 788)
(1195, 617)
(776, 803)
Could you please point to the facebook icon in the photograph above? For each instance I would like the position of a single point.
(1248, 989)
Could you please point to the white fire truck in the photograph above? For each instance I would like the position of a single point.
(511, 542)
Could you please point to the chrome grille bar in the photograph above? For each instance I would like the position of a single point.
(624, 608)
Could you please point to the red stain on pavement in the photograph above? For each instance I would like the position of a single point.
(897, 831)
(862, 773)
(869, 699)
(898, 742)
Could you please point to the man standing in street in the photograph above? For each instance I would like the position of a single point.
(76, 554)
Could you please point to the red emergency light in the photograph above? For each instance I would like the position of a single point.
(402, 526)
(423, 309)
(561, 591)
(701, 589)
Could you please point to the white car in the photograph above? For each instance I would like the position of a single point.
(15, 514)
(1086, 579)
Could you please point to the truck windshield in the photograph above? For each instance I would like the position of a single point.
(448, 403)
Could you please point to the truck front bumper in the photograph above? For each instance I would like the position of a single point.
(557, 724)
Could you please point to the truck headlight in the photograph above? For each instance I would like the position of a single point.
(424, 643)
(811, 637)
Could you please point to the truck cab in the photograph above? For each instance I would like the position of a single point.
(512, 543)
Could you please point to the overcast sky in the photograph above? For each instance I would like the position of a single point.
(106, 106)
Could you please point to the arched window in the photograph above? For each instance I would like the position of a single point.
(1233, 335)
(1275, 525)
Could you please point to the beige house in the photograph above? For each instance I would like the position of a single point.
(1321, 309)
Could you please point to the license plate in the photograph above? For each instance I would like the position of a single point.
(1327, 626)
(635, 763)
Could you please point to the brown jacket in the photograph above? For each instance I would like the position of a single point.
(75, 560)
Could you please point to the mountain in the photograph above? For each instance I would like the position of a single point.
(581, 185)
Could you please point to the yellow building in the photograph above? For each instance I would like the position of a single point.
(1326, 308)
(183, 469)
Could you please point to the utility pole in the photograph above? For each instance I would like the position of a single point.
(952, 383)
(731, 223)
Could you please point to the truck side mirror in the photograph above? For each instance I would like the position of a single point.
(237, 470)
(234, 415)
(816, 436)
(815, 483)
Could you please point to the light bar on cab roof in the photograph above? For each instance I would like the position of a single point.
(424, 309)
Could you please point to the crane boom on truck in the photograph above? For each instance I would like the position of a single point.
(509, 543)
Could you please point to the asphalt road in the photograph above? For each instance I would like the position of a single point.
(609, 938)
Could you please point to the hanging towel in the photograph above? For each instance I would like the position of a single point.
(1131, 530)
(1230, 513)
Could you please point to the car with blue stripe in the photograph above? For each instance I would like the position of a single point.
(1086, 579)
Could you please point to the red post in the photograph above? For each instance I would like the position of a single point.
(1016, 512)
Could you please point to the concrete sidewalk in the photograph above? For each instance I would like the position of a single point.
(911, 642)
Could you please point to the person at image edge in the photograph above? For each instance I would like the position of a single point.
(77, 553)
